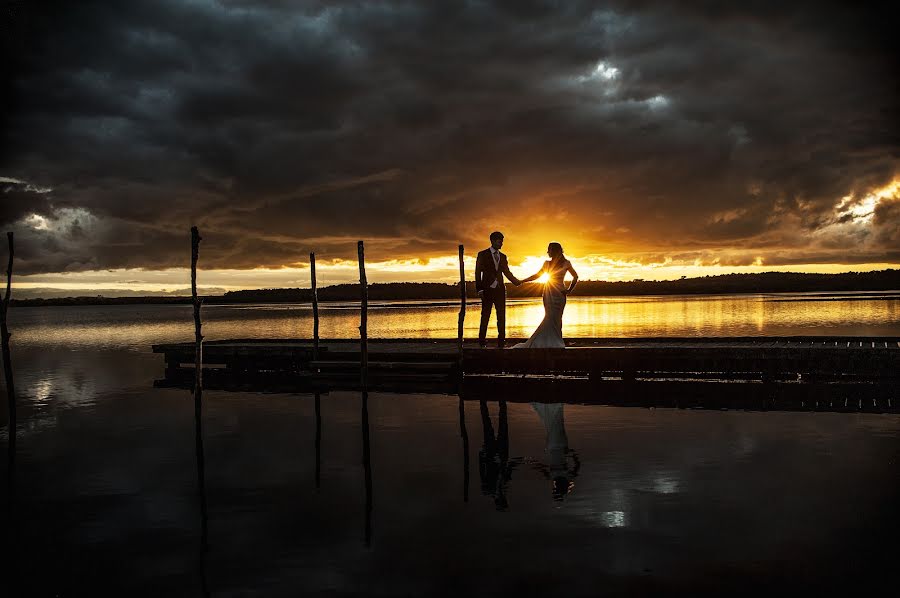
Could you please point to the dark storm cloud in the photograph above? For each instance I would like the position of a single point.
(20, 200)
(282, 127)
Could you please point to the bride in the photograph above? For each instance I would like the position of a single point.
(549, 333)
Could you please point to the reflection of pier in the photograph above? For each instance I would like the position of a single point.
(824, 373)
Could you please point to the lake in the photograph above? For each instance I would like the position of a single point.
(472, 499)
(137, 327)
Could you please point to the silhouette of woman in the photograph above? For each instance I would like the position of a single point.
(549, 333)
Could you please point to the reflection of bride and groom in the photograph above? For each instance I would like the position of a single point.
(495, 467)
(490, 268)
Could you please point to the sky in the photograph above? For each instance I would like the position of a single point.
(653, 139)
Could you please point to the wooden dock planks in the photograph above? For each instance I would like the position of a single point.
(830, 373)
(879, 358)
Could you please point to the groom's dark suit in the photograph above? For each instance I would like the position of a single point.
(487, 273)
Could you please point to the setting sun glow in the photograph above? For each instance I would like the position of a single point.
(543, 278)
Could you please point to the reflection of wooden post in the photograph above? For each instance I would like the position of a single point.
(367, 466)
(7, 368)
(462, 306)
(363, 318)
(315, 306)
(465, 438)
(318, 439)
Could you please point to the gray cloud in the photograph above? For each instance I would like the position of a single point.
(281, 128)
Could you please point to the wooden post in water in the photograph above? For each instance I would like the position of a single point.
(198, 391)
(7, 369)
(315, 304)
(363, 318)
(462, 307)
(196, 301)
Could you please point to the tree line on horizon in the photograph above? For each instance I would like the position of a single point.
(765, 282)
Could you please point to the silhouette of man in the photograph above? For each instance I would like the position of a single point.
(490, 266)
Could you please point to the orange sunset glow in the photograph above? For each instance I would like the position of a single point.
(853, 217)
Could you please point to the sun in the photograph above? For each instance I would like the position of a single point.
(543, 278)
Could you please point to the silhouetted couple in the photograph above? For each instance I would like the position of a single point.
(490, 268)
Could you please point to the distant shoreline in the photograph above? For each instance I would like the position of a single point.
(448, 294)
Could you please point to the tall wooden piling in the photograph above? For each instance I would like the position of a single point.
(196, 301)
(315, 304)
(462, 305)
(7, 368)
(363, 318)
(198, 391)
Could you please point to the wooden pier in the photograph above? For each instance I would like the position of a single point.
(807, 373)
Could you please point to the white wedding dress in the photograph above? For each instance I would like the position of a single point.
(557, 443)
(548, 334)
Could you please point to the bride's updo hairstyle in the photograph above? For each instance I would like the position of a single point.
(557, 251)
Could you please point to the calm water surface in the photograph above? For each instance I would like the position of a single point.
(136, 327)
(566, 499)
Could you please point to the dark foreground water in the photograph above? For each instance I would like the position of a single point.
(556, 499)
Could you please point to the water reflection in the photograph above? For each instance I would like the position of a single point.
(494, 465)
(464, 434)
(672, 491)
(560, 464)
(367, 466)
(557, 452)
(318, 409)
(11, 422)
(137, 327)
(201, 476)
(612, 519)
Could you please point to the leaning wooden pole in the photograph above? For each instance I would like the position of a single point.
(7, 365)
(315, 304)
(462, 306)
(363, 318)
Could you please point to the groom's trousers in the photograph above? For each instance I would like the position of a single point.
(493, 298)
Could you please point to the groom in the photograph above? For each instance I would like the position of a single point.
(490, 266)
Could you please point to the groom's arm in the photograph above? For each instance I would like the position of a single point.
(510, 275)
(479, 268)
